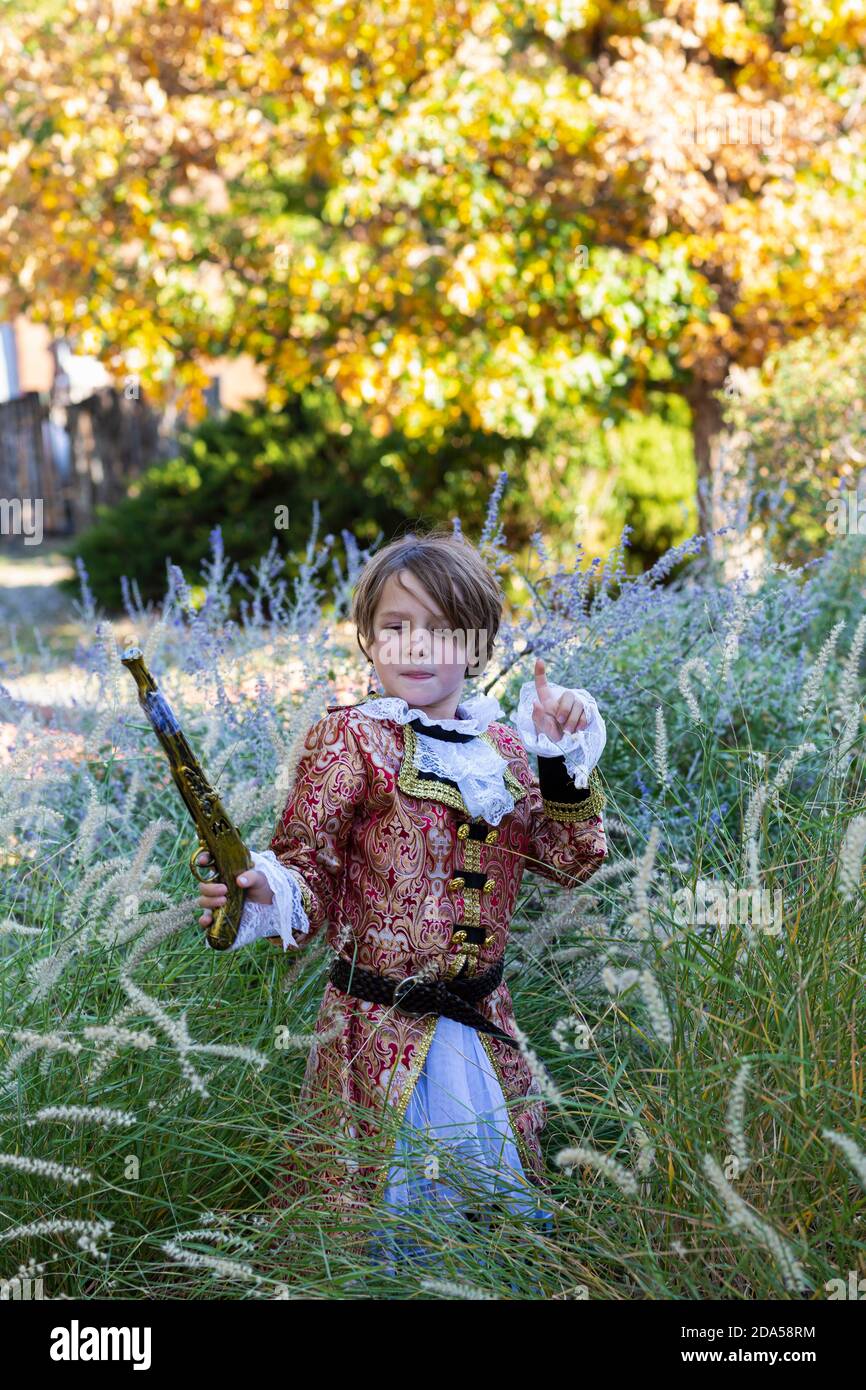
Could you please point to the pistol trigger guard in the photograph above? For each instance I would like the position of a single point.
(212, 872)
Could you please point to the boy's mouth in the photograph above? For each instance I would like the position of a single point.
(417, 675)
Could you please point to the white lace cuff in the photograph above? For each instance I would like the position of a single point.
(284, 916)
(581, 749)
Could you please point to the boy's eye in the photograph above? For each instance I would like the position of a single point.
(398, 627)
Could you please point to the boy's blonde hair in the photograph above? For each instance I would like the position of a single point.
(451, 570)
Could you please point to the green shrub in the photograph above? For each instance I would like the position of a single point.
(576, 480)
(235, 472)
(806, 430)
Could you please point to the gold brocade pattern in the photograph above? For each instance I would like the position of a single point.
(401, 1106)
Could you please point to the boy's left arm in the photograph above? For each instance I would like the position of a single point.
(566, 830)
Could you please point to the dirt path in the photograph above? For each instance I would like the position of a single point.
(31, 603)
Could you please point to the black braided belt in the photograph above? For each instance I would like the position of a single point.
(453, 998)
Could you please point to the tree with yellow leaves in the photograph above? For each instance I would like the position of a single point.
(448, 209)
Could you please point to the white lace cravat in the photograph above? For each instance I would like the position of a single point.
(473, 716)
(476, 767)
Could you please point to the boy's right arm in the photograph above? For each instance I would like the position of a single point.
(331, 782)
(303, 863)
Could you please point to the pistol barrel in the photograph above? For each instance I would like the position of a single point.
(216, 831)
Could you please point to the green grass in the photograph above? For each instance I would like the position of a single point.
(791, 1006)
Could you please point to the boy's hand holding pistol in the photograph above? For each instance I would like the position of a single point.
(212, 896)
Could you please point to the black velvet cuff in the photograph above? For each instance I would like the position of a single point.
(562, 799)
(555, 783)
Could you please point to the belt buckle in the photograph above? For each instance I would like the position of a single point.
(400, 989)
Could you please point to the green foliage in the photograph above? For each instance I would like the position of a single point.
(235, 472)
(588, 476)
(806, 431)
(653, 456)
(443, 230)
(580, 479)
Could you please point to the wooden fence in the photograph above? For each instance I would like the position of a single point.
(77, 456)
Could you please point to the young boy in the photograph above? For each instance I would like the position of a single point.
(406, 834)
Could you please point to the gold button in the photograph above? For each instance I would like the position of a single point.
(489, 939)
(463, 830)
(458, 936)
(457, 883)
(491, 837)
(489, 885)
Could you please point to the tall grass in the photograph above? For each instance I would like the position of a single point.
(705, 1078)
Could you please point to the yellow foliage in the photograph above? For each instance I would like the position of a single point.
(395, 199)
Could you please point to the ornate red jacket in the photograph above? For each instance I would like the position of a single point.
(400, 877)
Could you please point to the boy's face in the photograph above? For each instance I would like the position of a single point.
(413, 660)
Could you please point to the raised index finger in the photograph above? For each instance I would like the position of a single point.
(541, 682)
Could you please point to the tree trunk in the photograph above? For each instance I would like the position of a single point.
(724, 495)
(708, 434)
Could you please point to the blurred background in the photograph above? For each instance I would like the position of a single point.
(258, 255)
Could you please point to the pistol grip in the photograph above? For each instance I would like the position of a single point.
(224, 925)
